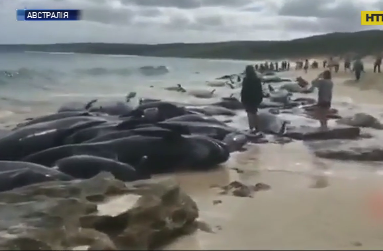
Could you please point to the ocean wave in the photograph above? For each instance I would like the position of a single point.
(28, 78)
(25, 73)
(144, 70)
(100, 71)
(52, 53)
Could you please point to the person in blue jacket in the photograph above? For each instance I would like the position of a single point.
(251, 96)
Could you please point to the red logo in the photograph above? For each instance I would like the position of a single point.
(375, 205)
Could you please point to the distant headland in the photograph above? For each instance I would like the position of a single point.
(338, 43)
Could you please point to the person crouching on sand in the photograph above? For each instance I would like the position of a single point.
(251, 96)
(325, 86)
(358, 68)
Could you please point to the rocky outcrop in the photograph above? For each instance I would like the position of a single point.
(83, 215)
(361, 120)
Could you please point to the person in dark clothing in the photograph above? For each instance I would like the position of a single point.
(358, 68)
(306, 65)
(377, 64)
(251, 96)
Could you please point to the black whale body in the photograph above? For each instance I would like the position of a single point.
(41, 136)
(54, 116)
(23, 177)
(112, 108)
(149, 130)
(164, 153)
(165, 110)
(109, 127)
(6, 166)
(86, 167)
(215, 131)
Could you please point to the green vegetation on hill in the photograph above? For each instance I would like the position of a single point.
(362, 42)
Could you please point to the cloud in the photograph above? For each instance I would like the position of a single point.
(161, 21)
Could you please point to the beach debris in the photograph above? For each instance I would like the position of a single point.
(240, 189)
(357, 244)
(205, 227)
(237, 189)
(216, 202)
(58, 216)
(237, 170)
(261, 187)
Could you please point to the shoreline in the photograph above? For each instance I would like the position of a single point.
(312, 204)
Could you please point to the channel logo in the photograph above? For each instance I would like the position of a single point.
(371, 18)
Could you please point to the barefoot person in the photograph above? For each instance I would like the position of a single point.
(251, 96)
(325, 86)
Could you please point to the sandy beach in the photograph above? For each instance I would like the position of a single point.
(312, 203)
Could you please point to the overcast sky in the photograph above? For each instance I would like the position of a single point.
(162, 21)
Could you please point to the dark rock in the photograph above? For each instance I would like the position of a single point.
(370, 153)
(315, 133)
(261, 187)
(238, 189)
(58, 216)
(361, 120)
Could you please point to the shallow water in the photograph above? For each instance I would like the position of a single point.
(294, 212)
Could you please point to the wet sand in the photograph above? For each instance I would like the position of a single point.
(312, 204)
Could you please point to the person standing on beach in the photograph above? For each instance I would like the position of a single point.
(306, 65)
(378, 63)
(358, 68)
(325, 86)
(251, 96)
(336, 64)
(347, 63)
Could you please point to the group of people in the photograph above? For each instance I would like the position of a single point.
(272, 66)
(252, 91)
(333, 65)
(252, 96)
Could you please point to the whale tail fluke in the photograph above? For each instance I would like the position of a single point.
(130, 96)
(90, 103)
(283, 129)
